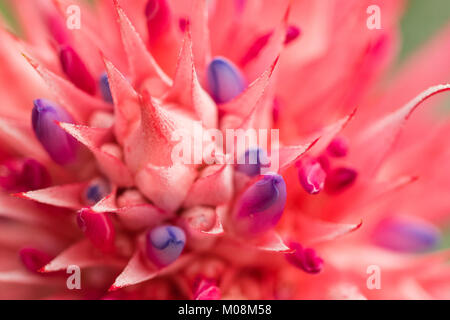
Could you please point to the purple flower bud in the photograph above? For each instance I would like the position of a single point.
(105, 89)
(57, 28)
(406, 235)
(311, 175)
(225, 81)
(340, 179)
(338, 148)
(76, 70)
(61, 147)
(260, 206)
(305, 259)
(292, 33)
(252, 161)
(164, 244)
(96, 191)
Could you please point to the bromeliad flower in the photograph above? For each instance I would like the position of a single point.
(88, 179)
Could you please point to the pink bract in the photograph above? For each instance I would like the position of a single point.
(132, 75)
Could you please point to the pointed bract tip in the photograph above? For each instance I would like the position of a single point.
(252, 162)
(164, 244)
(292, 33)
(33, 259)
(76, 70)
(225, 81)
(276, 110)
(158, 15)
(260, 206)
(61, 147)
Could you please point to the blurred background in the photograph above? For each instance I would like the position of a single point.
(422, 19)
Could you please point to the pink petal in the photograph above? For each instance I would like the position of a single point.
(247, 101)
(156, 132)
(207, 291)
(205, 220)
(83, 255)
(169, 185)
(271, 50)
(141, 216)
(182, 81)
(109, 164)
(213, 188)
(200, 34)
(312, 231)
(29, 14)
(204, 105)
(78, 103)
(25, 278)
(86, 40)
(14, 70)
(34, 239)
(330, 132)
(270, 241)
(187, 90)
(108, 203)
(65, 196)
(289, 155)
(377, 141)
(217, 229)
(142, 65)
(425, 68)
(126, 102)
(135, 272)
(19, 137)
(27, 212)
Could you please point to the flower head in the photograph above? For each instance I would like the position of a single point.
(284, 221)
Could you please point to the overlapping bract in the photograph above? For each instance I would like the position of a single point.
(156, 229)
